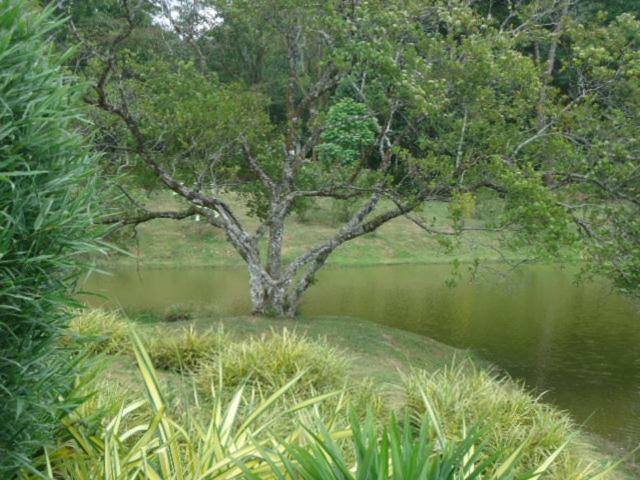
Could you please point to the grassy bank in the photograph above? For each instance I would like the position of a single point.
(195, 243)
(388, 369)
(375, 352)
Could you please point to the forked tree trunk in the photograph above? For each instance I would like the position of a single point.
(269, 285)
(276, 289)
(270, 296)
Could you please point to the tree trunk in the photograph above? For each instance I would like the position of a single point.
(257, 288)
(268, 297)
(274, 250)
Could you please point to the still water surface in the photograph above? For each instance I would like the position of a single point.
(580, 344)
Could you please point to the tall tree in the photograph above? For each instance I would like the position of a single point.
(390, 105)
(47, 223)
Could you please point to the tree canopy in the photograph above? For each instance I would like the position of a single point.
(386, 105)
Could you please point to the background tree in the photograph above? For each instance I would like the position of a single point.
(388, 106)
(597, 177)
(45, 199)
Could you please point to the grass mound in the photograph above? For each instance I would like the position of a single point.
(101, 331)
(463, 395)
(143, 438)
(184, 348)
(270, 361)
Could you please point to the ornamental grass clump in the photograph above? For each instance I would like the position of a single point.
(269, 361)
(142, 438)
(136, 438)
(184, 349)
(101, 331)
(178, 313)
(465, 394)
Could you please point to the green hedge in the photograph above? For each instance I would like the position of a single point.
(46, 225)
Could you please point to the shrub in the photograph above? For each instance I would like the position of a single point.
(464, 395)
(141, 439)
(103, 332)
(400, 452)
(270, 361)
(185, 348)
(47, 222)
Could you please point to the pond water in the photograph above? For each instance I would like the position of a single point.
(578, 343)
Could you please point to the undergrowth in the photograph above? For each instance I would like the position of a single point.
(207, 369)
(463, 395)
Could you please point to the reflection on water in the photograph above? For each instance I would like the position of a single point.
(578, 343)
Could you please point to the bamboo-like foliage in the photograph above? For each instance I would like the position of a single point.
(46, 223)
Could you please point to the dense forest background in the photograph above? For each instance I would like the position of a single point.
(385, 106)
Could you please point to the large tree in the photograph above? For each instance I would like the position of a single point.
(386, 105)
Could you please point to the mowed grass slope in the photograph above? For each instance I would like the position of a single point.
(195, 243)
(376, 351)
(334, 353)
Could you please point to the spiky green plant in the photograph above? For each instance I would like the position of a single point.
(46, 198)
(464, 394)
(163, 448)
(101, 331)
(401, 452)
(185, 348)
(269, 361)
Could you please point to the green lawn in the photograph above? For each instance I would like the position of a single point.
(374, 353)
